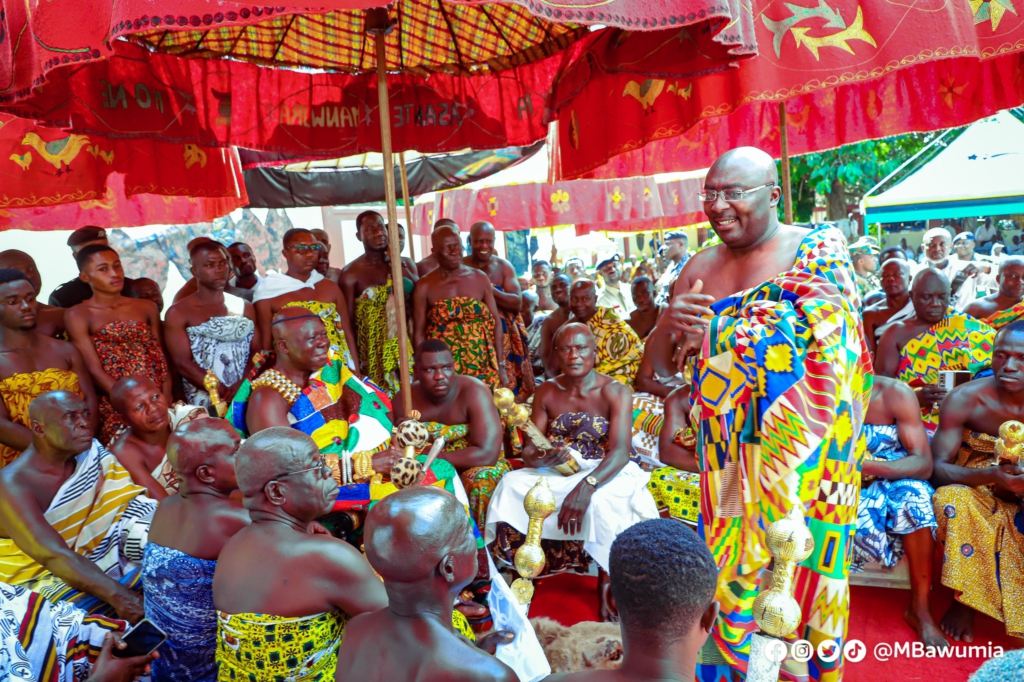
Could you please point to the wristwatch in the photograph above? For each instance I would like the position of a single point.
(592, 480)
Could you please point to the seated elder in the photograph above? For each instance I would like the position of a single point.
(587, 417)
(650, 392)
(618, 348)
(421, 544)
(142, 449)
(189, 531)
(73, 526)
(282, 591)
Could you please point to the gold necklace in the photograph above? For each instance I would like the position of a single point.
(288, 389)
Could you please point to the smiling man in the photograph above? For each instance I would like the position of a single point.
(542, 285)
(774, 312)
(1007, 305)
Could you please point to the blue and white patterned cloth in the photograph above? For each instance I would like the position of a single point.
(179, 600)
(889, 509)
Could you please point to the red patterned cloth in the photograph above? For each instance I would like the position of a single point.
(126, 349)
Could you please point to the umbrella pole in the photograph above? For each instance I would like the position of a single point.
(787, 189)
(384, 107)
(408, 204)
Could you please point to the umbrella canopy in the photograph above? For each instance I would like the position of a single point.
(847, 70)
(980, 172)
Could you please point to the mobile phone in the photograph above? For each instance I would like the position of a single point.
(142, 640)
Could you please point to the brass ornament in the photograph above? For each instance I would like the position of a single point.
(211, 383)
(789, 540)
(1010, 444)
(518, 416)
(529, 559)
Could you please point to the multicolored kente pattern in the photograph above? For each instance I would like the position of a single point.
(377, 336)
(467, 326)
(780, 390)
(1001, 318)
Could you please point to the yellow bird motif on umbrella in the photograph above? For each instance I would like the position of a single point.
(59, 153)
(645, 92)
(23, 160)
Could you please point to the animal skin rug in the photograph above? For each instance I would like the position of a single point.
(584, 646)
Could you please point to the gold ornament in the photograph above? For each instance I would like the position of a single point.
(211, 383)
(362, 465)
(685, 438)
(504, 399)
(518, 416)
(789, 540)
(288, 389)
(1010, 444)
(529, 560)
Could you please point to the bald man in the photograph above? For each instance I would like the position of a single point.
(72, 524)
(936, 339)
(189, 531)
(774, 308)
(619, 349)
(508, 298)
(895, 282)
(456, 303)
(421, 544)
(142, 449)
(1007, 305)
(430, 261)
(283, 593)
(50, 319)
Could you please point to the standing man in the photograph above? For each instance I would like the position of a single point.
(430, 261)
(735, 296)
(964, 246)
(508, 298)
(613, 295)
(865, 263)
(987, 236)
(1000, 309)
(243, 265)
(542, 285)
(49, 319)
(324, 263)
(643, 319)
(619, 349)
(75, 291)
(560, 284)
(575, 269)
(211, 329)
(895, 308)
(455, 303)
(676, 253)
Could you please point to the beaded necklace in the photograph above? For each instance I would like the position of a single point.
(288, 389)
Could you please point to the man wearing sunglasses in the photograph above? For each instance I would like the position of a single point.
(781, 383)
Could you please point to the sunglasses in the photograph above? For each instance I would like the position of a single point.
(307, 248)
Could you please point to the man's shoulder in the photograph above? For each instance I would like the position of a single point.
(470, 386)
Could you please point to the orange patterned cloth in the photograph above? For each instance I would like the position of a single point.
(18, 390)
(126, 349)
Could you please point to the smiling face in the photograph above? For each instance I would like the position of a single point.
(481, 241)
(583, 300)
(964, 249)
(611, 272)
(304, 341)
(742, 223)
(560, 284)
(1011, 278)
(104, 273)
(541, 275)
(575, 270)
(18, 306)
(930, 296)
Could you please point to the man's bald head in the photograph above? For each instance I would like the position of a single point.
(930, 295)
(52, 405)
(410, 532)
(930, 276)
(19, 260)
(571, 329)
(481, 227)
(269, 454)
(752, 162)
(583, 299)
(197, 443)
(125, 386)
(60, 421)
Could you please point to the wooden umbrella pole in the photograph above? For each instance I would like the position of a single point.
(408, 205)
(397, 290)
(787, 189)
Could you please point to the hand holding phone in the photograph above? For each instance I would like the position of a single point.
(142, 640)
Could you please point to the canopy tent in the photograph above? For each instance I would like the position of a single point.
(979, 172)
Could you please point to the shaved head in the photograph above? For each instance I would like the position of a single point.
(583, 285)
(754, 163)
(19, 260)
(480, 227)
(930, 295)
(52, 405)
(125, 385)
(269, 454)
(928, 276)
(748, 176)
(193, 444)
(571, 328)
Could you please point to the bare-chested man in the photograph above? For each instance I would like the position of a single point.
(189, 531)
(71, 520)
(302, 286)
(211, 329)
(323, 265)
(895, 282)
(542, 285)
(116, 335)
(49, 319)
(455, 303)
(560, 284)
(243, 265)
(1006, 305)
(508, 298)
(308, 584)
(75, 291)
(619, 349)
(764, 271)
(977, 500)
(142, 449)
(421, 544)
(192, 285)
(645, 316)
(430, 261)
(31, 363)
(409, 269)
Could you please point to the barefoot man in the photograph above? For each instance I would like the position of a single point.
(1006, 306)
(750, 300)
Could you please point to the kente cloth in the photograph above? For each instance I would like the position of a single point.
(376, 326)
(126, 349)
(648, 417)
(278, 284)
(467, 326)
(676, 492)
(956, 342)
(888, 509)
(983, 541)
(1001, 318)
(619, 349)
(221, 344)
(179, 600)
(42, 641)
(99, 513)
(904, 313)
(20, 389)
(257, 646)
(615, 506)
(518, 369)
(779, 393)
(328, 312)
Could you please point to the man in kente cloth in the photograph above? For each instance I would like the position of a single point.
(189, 531)
(73, 525)
(116, 335)
(508, 299)
(977, 500)
(211, 329)
(455, 303)
(897, 307)
(421, 545)
(367, 286)
(938, 338)
(303, 287)
(31, 364)
(586, 416)
(782, 353)
(246, 276)
(49, 319)
(895, 514)
(142, 449)
(619, 349)
(676, 487)
(560, 284)
(1007, 305)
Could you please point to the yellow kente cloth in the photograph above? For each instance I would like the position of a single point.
(257, 646)
(467, 326)
(983, 538)
(1001, 318)
(677, 492)
(376, 326)
(619, 349)
(99, 512)
(328, 312)
(18, 390)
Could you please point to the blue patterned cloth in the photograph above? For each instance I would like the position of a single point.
(179, 600)
(889, 509)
